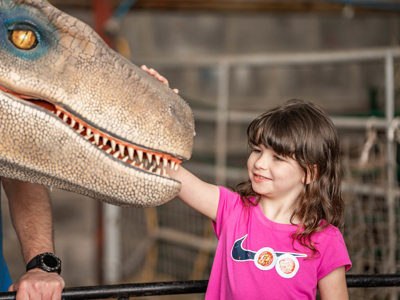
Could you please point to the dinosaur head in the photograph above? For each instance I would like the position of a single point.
(76, 115)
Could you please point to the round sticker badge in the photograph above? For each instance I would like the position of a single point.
(287, 265)
(265, 258)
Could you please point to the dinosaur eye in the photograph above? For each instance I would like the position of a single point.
(23, 39)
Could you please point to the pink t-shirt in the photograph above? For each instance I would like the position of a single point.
(255, 257)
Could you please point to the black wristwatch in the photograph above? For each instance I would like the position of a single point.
(46, 261)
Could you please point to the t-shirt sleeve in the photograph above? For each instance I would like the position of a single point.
(333, 252)
(227, 202)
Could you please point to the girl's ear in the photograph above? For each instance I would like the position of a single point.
(312, 174)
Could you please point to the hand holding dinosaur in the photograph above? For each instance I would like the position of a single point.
(158, 76)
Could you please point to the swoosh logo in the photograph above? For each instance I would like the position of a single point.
(240, 254)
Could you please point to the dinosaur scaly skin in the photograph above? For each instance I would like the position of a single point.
(76, 115)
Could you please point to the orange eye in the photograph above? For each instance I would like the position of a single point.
(23, 39)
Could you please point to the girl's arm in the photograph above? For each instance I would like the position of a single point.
(200, 195)
(333, 286)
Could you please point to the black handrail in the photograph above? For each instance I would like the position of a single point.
(124, 291)
(385, 280)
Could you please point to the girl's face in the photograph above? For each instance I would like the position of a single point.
(274, 176)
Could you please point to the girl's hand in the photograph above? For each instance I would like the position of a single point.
(157, 75)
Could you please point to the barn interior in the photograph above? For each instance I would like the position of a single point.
(231, 60)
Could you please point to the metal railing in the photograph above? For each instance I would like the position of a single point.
(125, 291)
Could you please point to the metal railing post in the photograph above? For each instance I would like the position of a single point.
(221, 139)
(391, 166)
(112, 251)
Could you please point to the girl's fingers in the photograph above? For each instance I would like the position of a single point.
(157, 75)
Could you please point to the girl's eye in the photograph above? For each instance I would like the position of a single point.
(279, 158)
(255, 150)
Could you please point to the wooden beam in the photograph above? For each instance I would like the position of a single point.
(102, 10)
(242, 6)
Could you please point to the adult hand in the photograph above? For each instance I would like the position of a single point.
(38, 285)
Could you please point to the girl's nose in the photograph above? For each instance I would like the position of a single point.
(262, 162)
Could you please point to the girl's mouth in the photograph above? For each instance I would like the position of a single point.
(259, 178)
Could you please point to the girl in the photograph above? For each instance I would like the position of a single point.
(278, 235)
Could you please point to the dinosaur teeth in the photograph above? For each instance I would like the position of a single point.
(116, 154)
(140, 155)
(97, 138)
(121, 149)
(80, 129)
(113, 145)
(148, 161)
(131, 153)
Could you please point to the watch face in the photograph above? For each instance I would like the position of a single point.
(45, 261)
(50, 261)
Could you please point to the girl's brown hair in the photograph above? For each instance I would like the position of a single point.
(304, 132)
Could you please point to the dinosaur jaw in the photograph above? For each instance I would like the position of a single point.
(133, 155)
(130, 154)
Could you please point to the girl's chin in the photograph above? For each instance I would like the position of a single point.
(256, 188)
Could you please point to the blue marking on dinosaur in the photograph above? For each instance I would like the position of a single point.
(19, 18)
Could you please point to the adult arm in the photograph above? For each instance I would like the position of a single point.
(333, 286)
(31, 215)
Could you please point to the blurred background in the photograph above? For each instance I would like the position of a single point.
(231, 61)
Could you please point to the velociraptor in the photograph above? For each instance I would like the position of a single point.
(76, 115)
